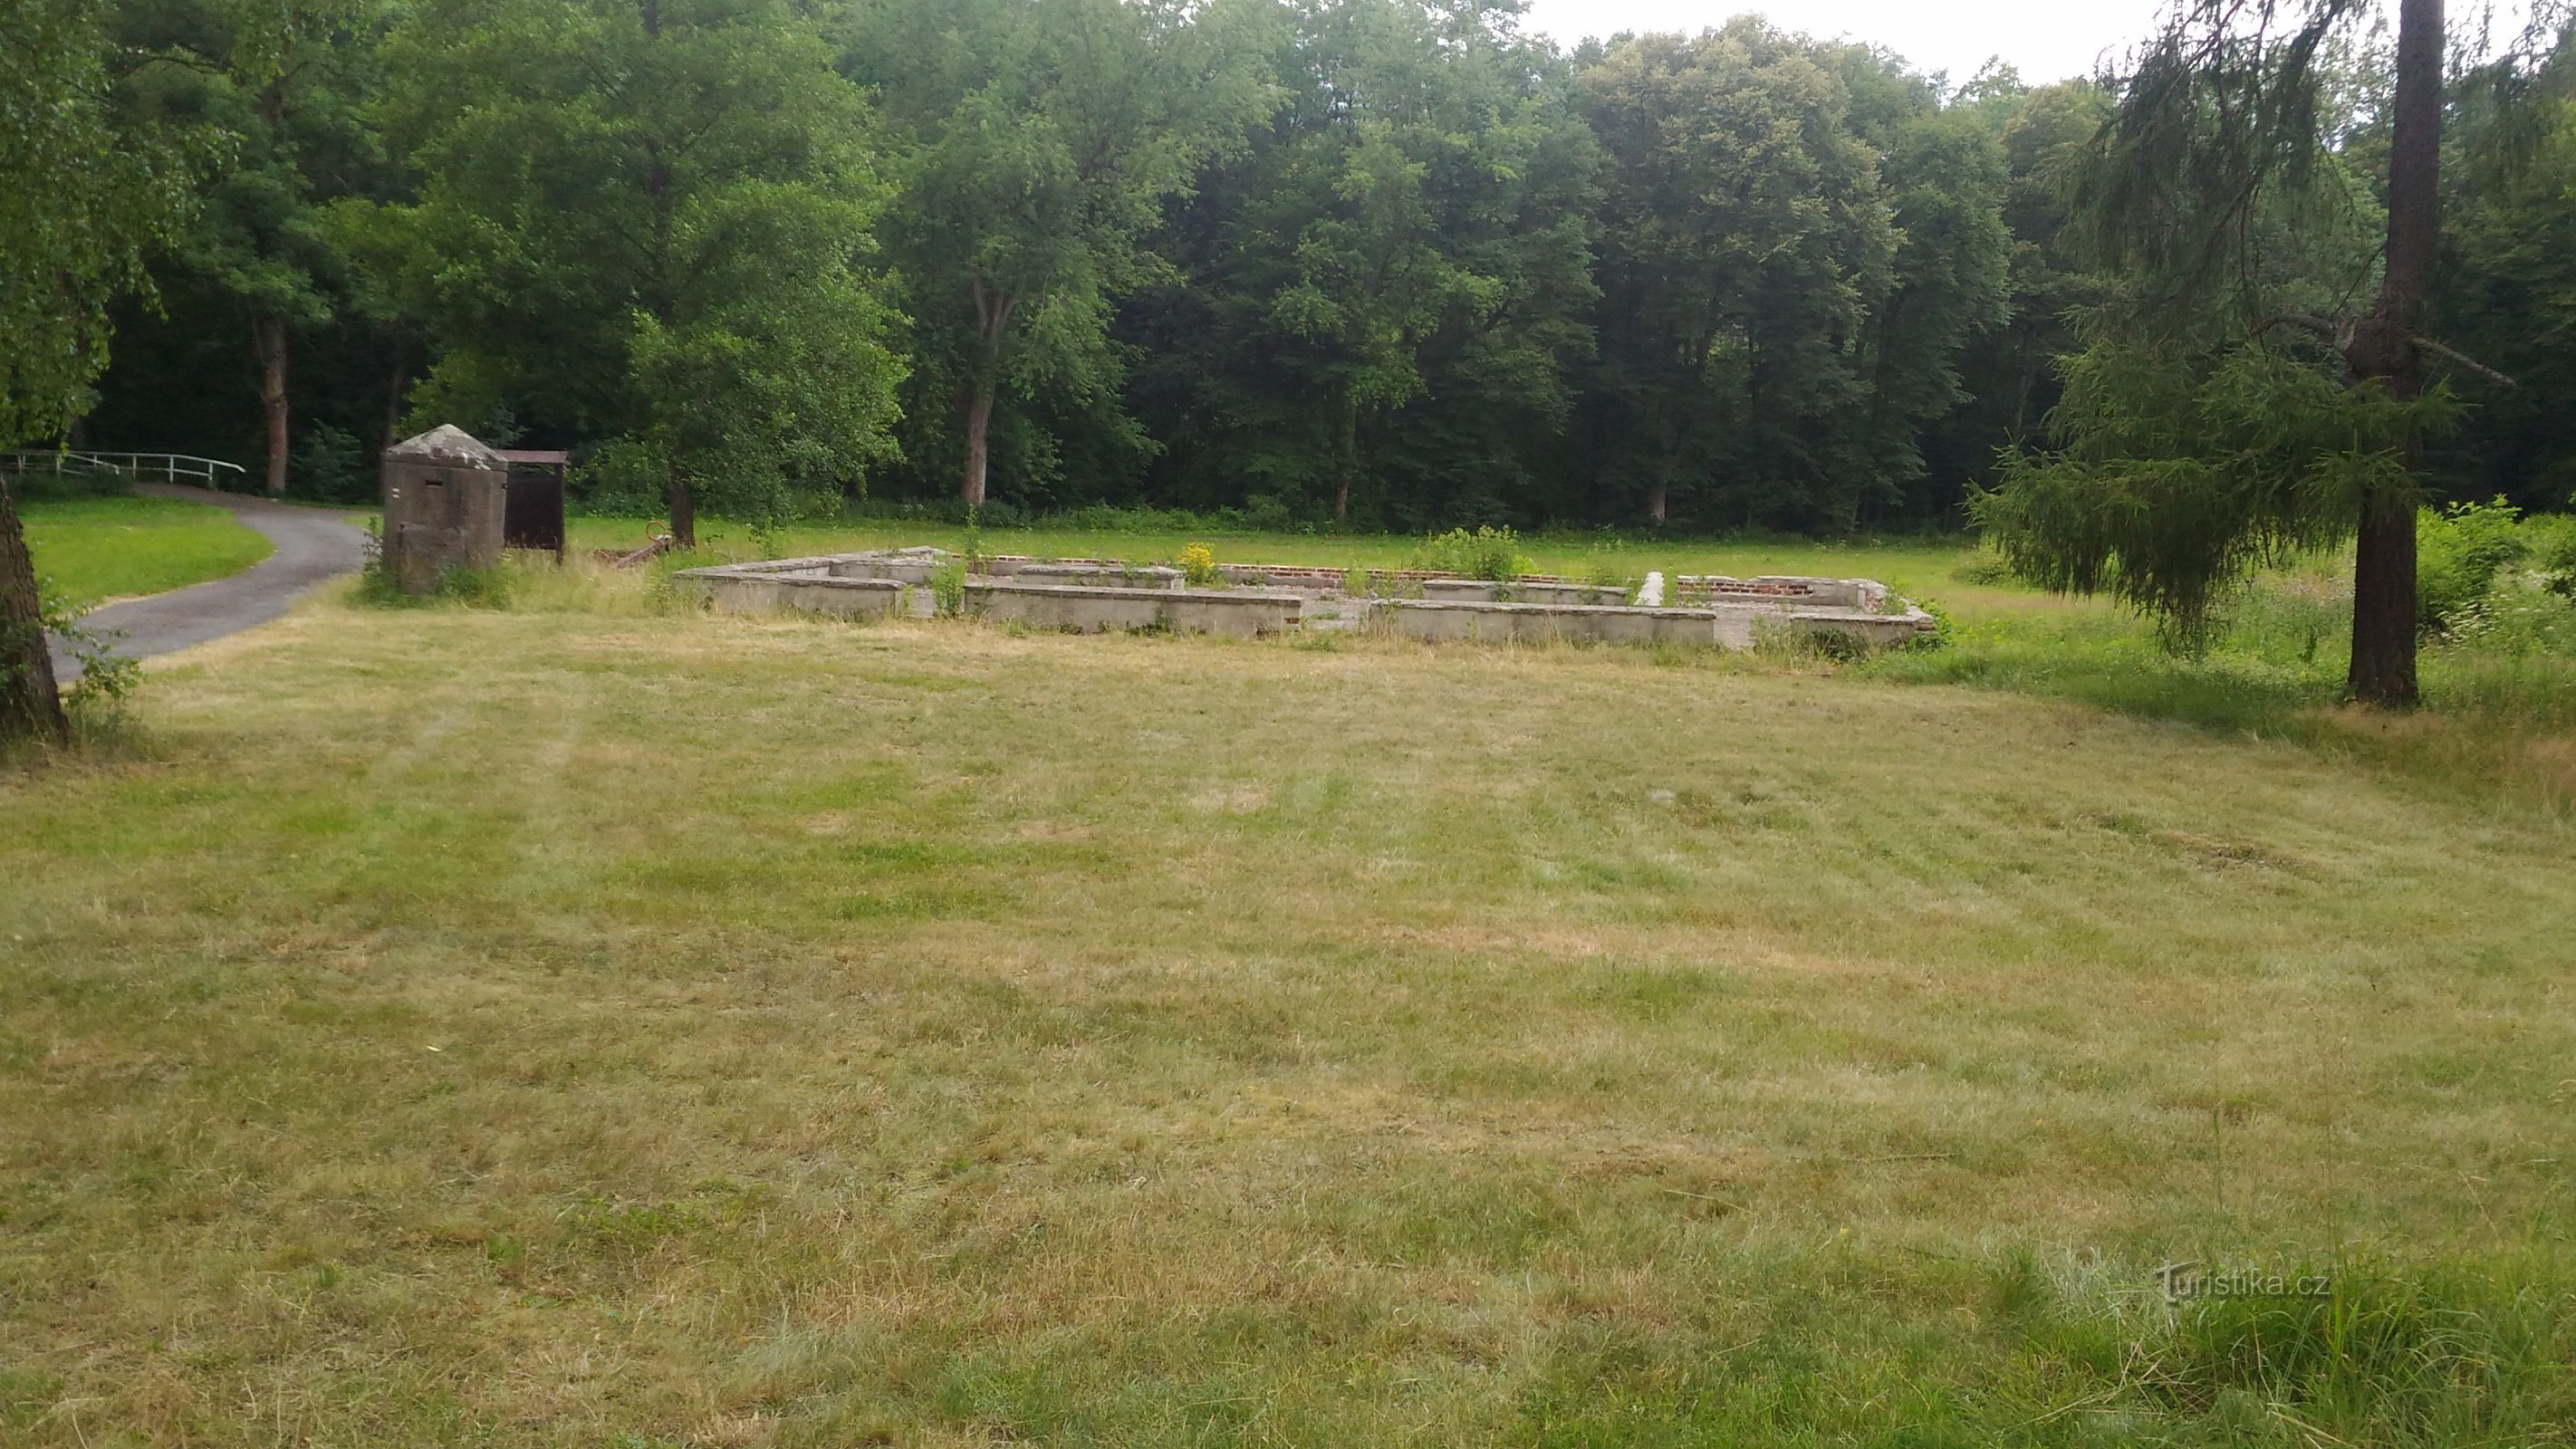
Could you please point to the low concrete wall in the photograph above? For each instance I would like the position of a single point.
(1522, 592)
(1440, 619)
(1091, 610)
(1095, 575)
(731, 592)
(1873, 631)
(1864, 594)
(1313, 579)
(1728, 626)
(903, 565)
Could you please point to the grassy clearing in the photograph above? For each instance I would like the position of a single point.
(118, 546)
(2495, 721)
(594, 1023)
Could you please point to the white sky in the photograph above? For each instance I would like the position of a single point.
(2046, 39)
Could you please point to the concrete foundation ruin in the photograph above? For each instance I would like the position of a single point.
(1100, 595)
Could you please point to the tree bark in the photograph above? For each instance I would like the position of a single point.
(1348, 460)
(394, 392)
(2383, 584)
(684, 508)
(269, 336)
(979, 420)
(992, 319)
(30, 706)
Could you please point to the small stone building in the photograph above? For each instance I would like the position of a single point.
(446, 498)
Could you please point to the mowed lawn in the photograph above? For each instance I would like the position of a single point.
(598, 1024)
(121, 546)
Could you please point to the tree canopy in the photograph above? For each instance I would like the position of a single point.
(1375, 263)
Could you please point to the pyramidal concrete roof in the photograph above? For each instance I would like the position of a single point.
(448, 444)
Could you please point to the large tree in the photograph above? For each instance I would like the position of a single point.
(1377, 307)
(1036, 144)
(82, 199)
(2195, 443)
(287, 83)
(648, 220)
(1798, 240)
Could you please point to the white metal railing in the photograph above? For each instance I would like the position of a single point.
(169, 467)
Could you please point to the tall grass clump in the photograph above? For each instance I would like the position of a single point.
(2458, 1351)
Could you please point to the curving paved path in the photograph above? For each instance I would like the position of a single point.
(310, 544)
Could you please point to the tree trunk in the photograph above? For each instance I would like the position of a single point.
(394, 393)
(684, 509)
(979, 420)
(1658, 495)
(2383, 583)
(1348, 461)
(30, 707)
(992, 320)
(269, 334)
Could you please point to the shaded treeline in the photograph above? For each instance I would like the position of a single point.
(1396, 263)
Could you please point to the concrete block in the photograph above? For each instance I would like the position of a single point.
(1093, 610)
(446, 503)
(753, 591)
(1522, 592)
(1098, 575)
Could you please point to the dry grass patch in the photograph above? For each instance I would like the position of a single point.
(579, 1022)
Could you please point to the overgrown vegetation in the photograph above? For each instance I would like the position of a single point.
(1485, 553)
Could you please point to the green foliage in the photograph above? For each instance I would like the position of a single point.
(2460, 550)
(331, 463)
(84, 195)
(679, 260)
(948, 587)
(623, 478)
(1485, 553)
(1035, 145)
(96, 701)
(1378, 304)
(2178, 472)
(1800, 239)
(286, 85)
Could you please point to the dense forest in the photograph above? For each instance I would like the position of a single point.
(1381, 263)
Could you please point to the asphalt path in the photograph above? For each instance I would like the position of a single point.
(311, 545)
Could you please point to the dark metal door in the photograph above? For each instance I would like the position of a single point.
(534, 517)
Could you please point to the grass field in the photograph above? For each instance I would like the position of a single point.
(119, 546)
(594, 1023)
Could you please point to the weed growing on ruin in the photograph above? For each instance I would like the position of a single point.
(1197, 563)
(1487, 553)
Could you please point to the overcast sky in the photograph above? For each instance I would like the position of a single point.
(2046, 39)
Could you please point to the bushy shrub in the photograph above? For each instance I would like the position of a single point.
(331, 464)
(2553, 551)
(1266, 513)
(1985, 568)
(2459, 551)
(624, 479)
(1198, 566)
(1487, 553)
